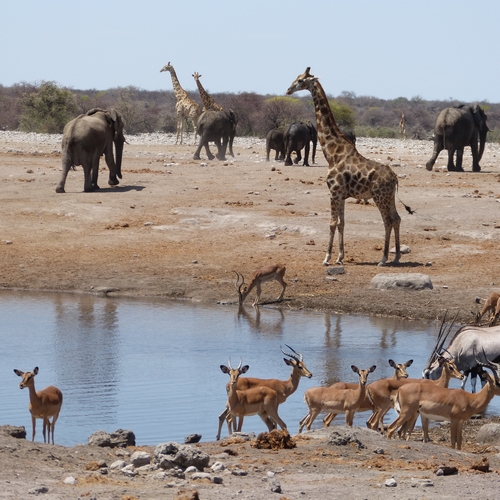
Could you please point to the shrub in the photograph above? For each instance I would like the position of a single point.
(46, 109)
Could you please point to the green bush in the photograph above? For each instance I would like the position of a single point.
(46, 109)
(377, 132)
(344, 115)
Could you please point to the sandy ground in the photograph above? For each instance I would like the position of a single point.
(177, 228)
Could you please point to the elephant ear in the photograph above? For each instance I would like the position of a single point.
(116, 121)
(478, 115)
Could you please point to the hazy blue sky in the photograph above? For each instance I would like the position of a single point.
(435, 49)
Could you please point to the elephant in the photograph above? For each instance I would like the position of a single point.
(85, 139)
(456, 128)
(275, 139)
(297, 136)
(214, 126)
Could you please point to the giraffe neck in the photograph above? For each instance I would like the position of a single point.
(179, 92)
(207, 100)
(330, 137)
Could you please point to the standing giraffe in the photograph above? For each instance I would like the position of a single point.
(208, 100)
(349, 173)
(402, 125)
(185, 107)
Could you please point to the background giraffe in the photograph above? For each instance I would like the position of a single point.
(208, 100)
(402, 125)
(349, 173)
(185, 107)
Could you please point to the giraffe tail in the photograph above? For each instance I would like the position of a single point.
(408, 209)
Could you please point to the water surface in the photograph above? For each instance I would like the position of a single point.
(152, 366)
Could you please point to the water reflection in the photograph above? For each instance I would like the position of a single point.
(153, 366)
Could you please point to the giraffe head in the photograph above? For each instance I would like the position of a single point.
(196, 76)
(167, 67)
(302, 82)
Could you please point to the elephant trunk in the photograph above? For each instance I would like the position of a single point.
(482, 142)
(119, 141)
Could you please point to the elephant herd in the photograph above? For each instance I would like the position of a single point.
(87, 137)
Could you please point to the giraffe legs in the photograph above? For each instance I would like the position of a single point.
(392, 221)
(337, 219)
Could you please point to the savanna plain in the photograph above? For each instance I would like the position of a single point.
(177, 228)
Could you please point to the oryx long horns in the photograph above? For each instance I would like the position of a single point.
(298, 356)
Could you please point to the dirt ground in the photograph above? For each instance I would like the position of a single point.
(177, 228)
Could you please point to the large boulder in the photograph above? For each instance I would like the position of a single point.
(170, 455)
(118, 439)
(489, 434)
(401, 281)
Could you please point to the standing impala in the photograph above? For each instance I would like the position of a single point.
(399, 373)
(260, 400)
(283, 388)
(452, 405)
(268, 273)
(382, 392)
(335, 400)
(43, 404)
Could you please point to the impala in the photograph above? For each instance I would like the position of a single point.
(43, 404)
(399, 373)
(283, 388)
(334, 400)
(268, 273)
(382, 392)
(491, 305)
(261, 400)
(452, 405)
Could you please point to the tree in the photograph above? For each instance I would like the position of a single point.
(46, 108)
(344, 115)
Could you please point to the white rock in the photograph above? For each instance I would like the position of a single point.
(70, 480)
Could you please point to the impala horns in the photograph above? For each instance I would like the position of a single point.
(297, 357)
(238, 285)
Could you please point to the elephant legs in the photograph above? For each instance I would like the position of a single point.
(201, 144)
(110, 162)
(438, 147)
(221, 149)
(306, 155)
(66, 165)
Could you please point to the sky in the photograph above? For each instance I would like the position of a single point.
(432, 49)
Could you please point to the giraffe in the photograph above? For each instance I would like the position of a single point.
(349, 173)
(208, 100)
(185, 107)
(402, 125)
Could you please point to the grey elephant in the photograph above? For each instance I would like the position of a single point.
(298, 136)
(218, 127)
(275, 139)
(456, 128)
(85, 139)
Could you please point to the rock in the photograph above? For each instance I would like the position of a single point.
(482, 466)
(119, 464)
(201, 475)
(171, 454)
(12, 430)
(331, 271)
(218, 466)
(129, 470)
(338, 439)
(425, 483)
(401, 281)
(403, 249)
(489, 434)
(118, 439)
(391, 483)
(38, 490)
(445, 470)
(140, 458)
(275, 486)
(69, 480)
(192, 438)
